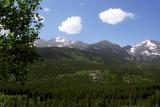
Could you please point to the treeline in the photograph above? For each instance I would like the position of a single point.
(66, 82)
(84, 93)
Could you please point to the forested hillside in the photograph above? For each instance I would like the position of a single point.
(73, 78)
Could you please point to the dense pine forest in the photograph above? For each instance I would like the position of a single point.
(72, 78)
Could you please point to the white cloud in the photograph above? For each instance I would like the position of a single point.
(72, 25)
(46, 9)
(115, 16)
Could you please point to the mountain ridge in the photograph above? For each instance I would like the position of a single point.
(148, 49)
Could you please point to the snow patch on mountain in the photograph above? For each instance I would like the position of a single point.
(150, 44)
(56, 42)
(147, 47)
(63, 40)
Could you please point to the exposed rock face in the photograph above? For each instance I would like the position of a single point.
(148, 49)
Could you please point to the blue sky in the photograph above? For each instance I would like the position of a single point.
(138, 20)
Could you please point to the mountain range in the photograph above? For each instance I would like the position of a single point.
(146, 50)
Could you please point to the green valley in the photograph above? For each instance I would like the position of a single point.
(72, 78)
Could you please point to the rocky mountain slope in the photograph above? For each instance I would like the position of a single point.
(146, 50)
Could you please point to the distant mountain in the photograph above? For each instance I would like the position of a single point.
(56, 42)
(109, 51)
(61, 42)
(79, 45)
(148, 49)
(105, 46)
(68, 54)
(126, 48)
(40, 43)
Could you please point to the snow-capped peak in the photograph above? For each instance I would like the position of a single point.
(60, 42)
(150, 44)
(55, 42)
(61, 39)
(147, 47)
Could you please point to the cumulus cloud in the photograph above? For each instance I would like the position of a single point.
(115, 16)
(46, 9)
(72, 25)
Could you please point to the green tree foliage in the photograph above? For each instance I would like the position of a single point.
(19, 25)
(62, 80)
